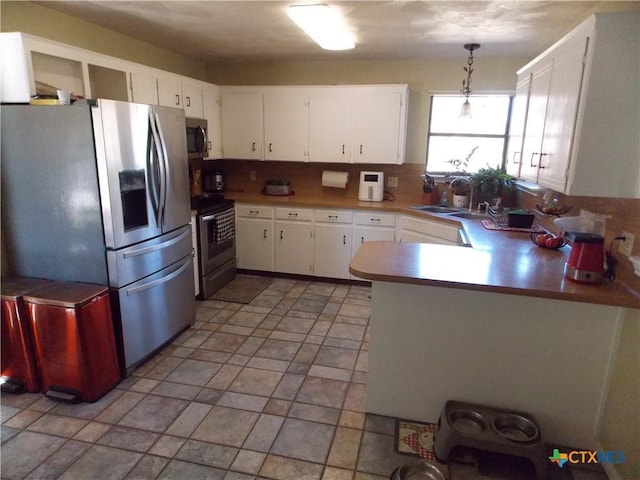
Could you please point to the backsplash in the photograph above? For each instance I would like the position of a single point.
(306, 178)
(625, 215)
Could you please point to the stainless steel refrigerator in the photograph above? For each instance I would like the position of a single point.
(100, 194)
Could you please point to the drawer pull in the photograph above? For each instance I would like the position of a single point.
(254, 212)
(376, 220)
(293, 214)
(333, 216)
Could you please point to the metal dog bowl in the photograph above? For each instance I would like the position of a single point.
(418, 471)
(468, 422)
(515, 427)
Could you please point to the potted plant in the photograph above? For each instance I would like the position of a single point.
(460, 188)
(492, 183)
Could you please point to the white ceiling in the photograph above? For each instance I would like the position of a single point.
(391, 29)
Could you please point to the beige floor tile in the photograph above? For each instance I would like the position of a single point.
(282, 468)
(345, 447)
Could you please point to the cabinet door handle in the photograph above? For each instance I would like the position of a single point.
(514, 158)
(360, 149)
(343, 148)
(188, 101)
(177, 99)
(344, 239)
(280, 234)
(264, 234)
(270, 148)
(253, 147)
(361, 239)
(531, 161)
(542, 155)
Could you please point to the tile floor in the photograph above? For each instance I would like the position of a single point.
(274, 389)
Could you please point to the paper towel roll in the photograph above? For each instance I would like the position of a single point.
(331, 178)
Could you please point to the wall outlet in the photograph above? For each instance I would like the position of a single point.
(252, 174)
(392, 181)
(626, 247)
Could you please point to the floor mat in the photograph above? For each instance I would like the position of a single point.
(242, 289)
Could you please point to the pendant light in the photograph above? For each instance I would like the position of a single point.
(465, 110)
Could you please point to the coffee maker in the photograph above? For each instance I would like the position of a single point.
(214, 181)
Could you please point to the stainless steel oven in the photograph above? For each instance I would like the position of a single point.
(216, 246)
(197, 138)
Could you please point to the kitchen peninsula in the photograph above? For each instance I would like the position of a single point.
(495, 325)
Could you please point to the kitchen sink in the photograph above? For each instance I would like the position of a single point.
(436, 209)
(469, 215)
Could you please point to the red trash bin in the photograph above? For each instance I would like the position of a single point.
(74, 340)
(18, 364)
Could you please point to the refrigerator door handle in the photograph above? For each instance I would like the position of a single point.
(164, 168)
(152, 166)
(160, 281)
(160, 246)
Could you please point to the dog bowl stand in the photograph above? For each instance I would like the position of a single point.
(486, 428)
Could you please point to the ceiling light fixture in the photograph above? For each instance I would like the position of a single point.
(465, 111)
(324, 25)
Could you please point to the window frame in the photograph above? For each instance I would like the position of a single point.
(505, 136)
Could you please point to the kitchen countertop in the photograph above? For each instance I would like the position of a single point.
(500, 261)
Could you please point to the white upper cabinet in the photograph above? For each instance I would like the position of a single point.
(286, 124)
(581, 133)
(319, 123)
(516, 130)
(330, 126)
(192, 100)
(377, 126)
(241, 114)
(211, 111)
(564, 90)
(538, 99)
(169, 93)
(144, 88)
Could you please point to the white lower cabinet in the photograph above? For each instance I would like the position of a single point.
(254, 237)
(322, 242)
(372, 226)
(427, 231)
(294, 241)
(332, 247)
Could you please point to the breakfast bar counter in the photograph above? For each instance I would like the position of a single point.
(491, 327)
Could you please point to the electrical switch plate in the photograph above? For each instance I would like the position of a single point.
(392, 182)
(626, 247)
(252, 174)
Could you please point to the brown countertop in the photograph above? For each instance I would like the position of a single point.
(502, 262)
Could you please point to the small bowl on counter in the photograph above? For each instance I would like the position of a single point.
(548, 240)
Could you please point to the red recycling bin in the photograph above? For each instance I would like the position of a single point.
(18, 364)
(74, 340)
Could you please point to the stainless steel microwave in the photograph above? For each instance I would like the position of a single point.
(197, 140)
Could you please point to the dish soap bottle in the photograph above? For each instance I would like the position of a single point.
(444, 197)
